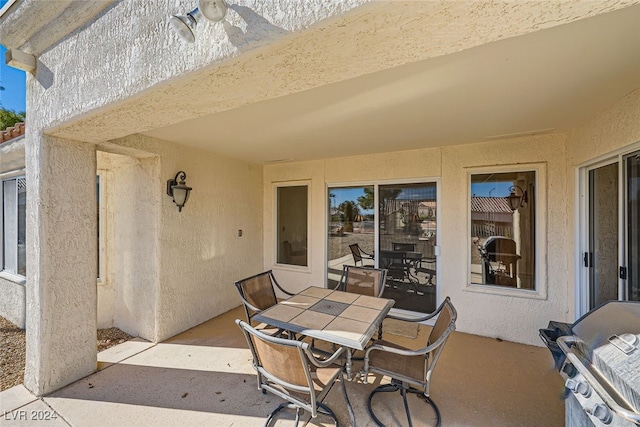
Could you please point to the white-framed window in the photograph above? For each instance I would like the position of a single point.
(101, 220)
(507, 230)
(14, 230)
(292, 224)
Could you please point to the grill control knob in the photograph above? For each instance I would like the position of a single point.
(601, 412)
(578, 387)
(570, 370)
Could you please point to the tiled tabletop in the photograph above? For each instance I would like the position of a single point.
(339, 317)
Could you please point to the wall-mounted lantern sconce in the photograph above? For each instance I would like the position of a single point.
(178, 190)
(185, 25)
(517, 201)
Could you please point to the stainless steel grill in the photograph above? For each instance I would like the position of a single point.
(599, 358)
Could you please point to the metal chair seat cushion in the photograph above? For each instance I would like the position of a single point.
(322, 379)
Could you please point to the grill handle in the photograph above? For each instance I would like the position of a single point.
(564, 343)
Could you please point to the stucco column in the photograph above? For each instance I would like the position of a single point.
(61, 261)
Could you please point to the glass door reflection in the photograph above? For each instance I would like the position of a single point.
(407, 242)
(351, 222)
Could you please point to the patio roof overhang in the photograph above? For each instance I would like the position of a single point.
(388, 76)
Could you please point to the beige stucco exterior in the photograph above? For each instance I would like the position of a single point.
(101, 98)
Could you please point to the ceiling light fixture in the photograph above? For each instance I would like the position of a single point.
(213, 10)
(185, 25)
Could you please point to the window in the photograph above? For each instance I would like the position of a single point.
(291, 227)
(14, 198)
(503, 229)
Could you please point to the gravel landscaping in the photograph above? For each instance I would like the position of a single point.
(12, 350)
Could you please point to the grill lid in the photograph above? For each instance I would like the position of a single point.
(611, 318)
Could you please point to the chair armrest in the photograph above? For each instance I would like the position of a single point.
(368, 255)
(412, 319)
(405, 352)
(275, 282)
(395, 350)
(323, 363)
(418, 319)
(251, 306)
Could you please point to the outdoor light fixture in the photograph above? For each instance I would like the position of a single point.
(516, 201)
(178, 190)
(213, 10)
(185, 25)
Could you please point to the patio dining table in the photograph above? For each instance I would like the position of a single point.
(337, 317)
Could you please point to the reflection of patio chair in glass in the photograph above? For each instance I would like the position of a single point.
(499, 261)
(410, 370)
(290, 370)
(257, 294)
(404, 247)
(396, 264)
(359, 255)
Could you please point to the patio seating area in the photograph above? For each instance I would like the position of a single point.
(204, 377)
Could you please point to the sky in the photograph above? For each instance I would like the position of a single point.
(14, 82)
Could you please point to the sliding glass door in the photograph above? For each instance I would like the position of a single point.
(407, 241)
(611, 254)
(632, 215)
(351, 222)
(390, 226)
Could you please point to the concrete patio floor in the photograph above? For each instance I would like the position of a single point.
(204, 377)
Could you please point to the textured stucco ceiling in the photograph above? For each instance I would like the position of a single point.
(544, 81)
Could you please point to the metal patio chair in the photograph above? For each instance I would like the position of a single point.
(362, 280)
(410, 370)
(258, 293)
(359, 255)
(289, 369)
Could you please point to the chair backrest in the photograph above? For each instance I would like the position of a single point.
(283, 362)
(404, 247)
(445, 324)
(258, 292)
(357, 255)
(363, 280)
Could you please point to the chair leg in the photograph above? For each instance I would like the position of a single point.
(395, 386)
(322, 409)
(274, 413)
(327, 411)
(403, 392)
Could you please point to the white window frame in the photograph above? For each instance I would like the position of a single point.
(101, 187)
(276, 186)
(5, 273)
(541, 286)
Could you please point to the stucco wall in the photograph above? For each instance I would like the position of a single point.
(13, 302)
(199, 253)
(614, 128)
(497, 314)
